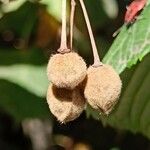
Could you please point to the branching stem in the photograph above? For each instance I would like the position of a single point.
(97, 61)
(63, 45)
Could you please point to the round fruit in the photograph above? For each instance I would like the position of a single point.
(65, 105)
(66, 70)
(103, 88)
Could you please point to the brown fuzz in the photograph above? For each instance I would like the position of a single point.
(66, 70)
(65, 105)
(103, 88)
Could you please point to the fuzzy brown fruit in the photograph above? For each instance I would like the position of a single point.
(66, 70)
(65, 105)
(103, 88)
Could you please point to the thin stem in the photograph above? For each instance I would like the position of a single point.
(63, 45)
(73, 4)
(97, 61)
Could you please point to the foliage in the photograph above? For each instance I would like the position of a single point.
(131, 45)
(24, 67)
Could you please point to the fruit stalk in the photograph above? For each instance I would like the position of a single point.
(97, 61)
(73, 4)
(63, 44)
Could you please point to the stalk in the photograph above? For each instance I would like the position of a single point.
(97, 61)
(63, 44)
(73, 5)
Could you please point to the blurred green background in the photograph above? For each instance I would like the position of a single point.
(29, 34)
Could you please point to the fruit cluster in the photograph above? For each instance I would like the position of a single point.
(64, 96)
(73, 85)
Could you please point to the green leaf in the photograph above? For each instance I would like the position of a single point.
(134, 105)
(18, 22)
(30, 56)
(111, 8)
(26, 69)
(31, 78)
(97, 14)
(53, 7)
(132, 44)
(20, 103)
(24, 95)
(133, 110)
(12, 5)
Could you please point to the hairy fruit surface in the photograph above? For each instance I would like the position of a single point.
(66, 70)
(65, 105)
(103, 88)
